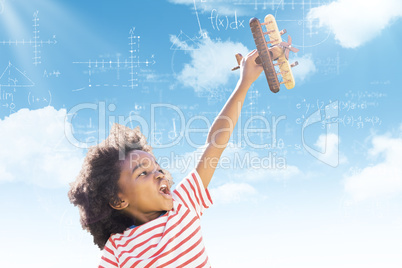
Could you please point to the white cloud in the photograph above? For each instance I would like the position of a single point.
(232, 192)
(328, 145)
(305, 68)
(355, 22)
(34, 149)
(211, 64)
(381, 179)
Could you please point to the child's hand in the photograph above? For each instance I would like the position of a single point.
(249, 69)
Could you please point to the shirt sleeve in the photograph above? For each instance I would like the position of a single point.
(108, 259)
(192, 194)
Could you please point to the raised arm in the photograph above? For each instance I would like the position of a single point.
(222, 128)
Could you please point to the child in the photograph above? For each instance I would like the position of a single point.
(127, 204)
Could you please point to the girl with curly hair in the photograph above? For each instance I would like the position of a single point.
(125, 198)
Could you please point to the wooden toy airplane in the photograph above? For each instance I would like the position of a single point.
(278, 51)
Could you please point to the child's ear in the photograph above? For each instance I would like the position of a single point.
(118, 204)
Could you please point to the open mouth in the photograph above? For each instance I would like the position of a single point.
(164, 189)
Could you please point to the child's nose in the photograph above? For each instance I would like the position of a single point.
(159, 174)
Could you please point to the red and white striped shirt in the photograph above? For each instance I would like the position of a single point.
(172, 240)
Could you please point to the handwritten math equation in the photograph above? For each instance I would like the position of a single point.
(353, 112)
(223, 22)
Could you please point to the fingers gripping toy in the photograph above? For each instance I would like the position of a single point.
(277, 51)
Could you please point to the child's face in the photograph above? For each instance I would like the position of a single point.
(143, 187)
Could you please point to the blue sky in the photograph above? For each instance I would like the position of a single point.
(312, 176)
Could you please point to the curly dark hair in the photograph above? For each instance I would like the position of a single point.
(95, 188)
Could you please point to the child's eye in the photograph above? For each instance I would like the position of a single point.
(161, 171)
(143, 173)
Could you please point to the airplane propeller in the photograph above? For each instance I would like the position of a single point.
(288, 47)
